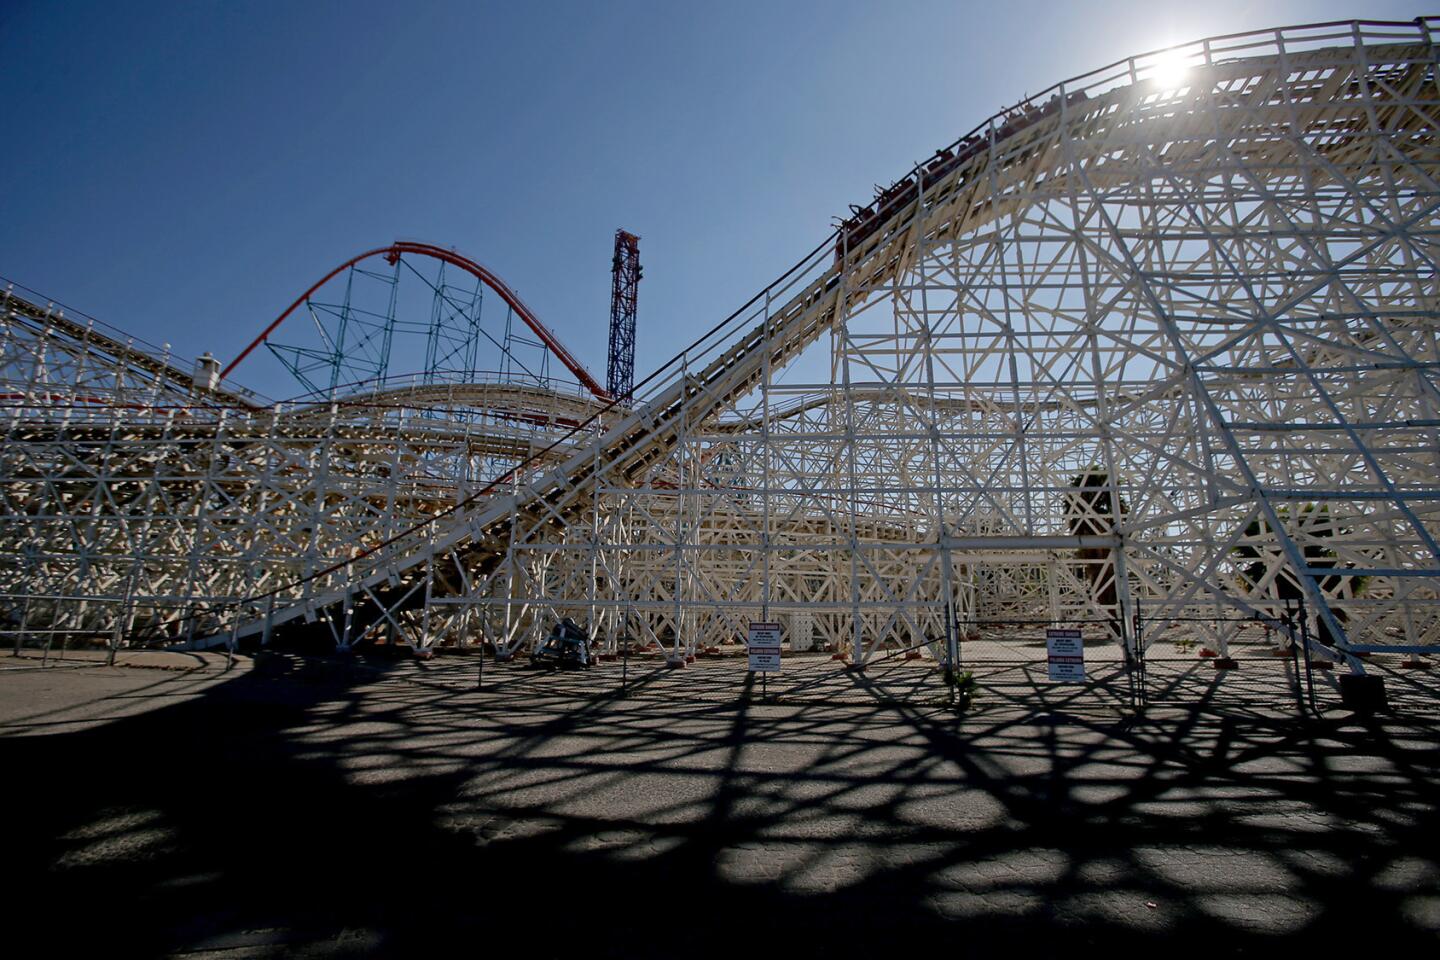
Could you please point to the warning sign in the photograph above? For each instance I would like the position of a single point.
(763, 645)
(1067, 655)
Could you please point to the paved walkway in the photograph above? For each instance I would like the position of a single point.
(331, 809)
(46, 695)
(30, 657)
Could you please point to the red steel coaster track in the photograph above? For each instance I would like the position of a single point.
(391, 254)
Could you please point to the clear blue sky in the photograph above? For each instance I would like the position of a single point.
(185, 170)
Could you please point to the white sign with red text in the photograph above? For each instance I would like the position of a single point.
(763, 645)
(1066, 648)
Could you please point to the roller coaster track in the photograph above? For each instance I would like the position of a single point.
(53, 322)
(393, 253)
(1211, 290)
(956, 202)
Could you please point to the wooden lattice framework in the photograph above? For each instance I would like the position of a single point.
(1159, 343)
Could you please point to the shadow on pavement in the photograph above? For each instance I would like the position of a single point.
(316, 808)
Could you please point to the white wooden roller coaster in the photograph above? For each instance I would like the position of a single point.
(1156, 346)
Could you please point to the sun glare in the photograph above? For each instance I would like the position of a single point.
(1169, 70)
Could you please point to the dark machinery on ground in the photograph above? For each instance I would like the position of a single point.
(567, 648)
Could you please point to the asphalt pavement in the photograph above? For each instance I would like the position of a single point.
(294, 807)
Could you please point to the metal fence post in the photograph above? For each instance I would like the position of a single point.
(1309, 675)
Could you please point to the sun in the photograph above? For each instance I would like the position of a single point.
(1169, 70)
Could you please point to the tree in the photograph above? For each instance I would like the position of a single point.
(1261, 550)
